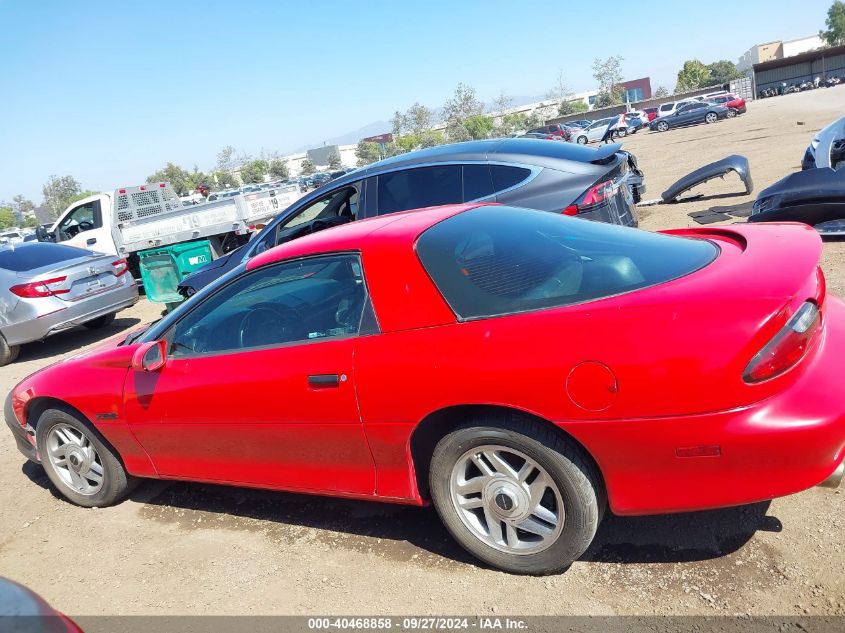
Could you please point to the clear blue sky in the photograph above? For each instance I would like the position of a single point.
(109, 91)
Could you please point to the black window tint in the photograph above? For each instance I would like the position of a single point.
(421, 187)
(477, 182)
(303, 300)
(494, 260)
(32, 255)
(505, 176)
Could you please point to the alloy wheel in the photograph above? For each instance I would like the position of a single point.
(75, 460)
(506, 499)
(711, 117)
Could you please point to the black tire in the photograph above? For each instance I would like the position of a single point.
(581, 140)
(621, 133)
(662, 126)
(100, 322)
(576, 478)
(711, 117)
(8, 353)
(116, 482)
(731, 113)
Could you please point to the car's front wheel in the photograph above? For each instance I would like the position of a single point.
(582, 140)
(516, 495)
(711, 117)
(76, 458)
(662, 126)
(621, 132)
(731, 113)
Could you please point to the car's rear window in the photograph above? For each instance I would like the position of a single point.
(32, 255)
(497, 260)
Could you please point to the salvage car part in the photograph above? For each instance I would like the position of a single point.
(827, 148)
(719, 169)
(815, 197)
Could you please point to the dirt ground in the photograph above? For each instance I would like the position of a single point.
(177, 548)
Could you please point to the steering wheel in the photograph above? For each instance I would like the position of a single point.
(268, 324)
(85, 225)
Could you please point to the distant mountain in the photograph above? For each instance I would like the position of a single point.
(381, 127)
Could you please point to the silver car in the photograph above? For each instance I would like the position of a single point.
(46, 288)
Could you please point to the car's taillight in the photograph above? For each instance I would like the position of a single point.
(787, 347)
(119, 267)
(37, 289)
(593, 197)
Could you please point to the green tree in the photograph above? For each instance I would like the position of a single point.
(608, 76)
(662, 91)
(194, 179)
(462, 105)
(835, 33)
(479, 126)
(431, 138)
(254, 171)
(367, 152)
(175, 175)
(572, 107)
(399, 123)
(22, 205)
(81, 195)
(226, 159)
(511, 123)
(223, 179)
(30, 222)
(58, 193)
(502, 103)
(279, 169)
(723, 71)
(693, 75)
(334, 159)
(308, 167)
(7, 218)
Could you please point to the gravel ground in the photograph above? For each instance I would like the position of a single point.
(177, 548)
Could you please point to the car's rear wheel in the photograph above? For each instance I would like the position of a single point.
(582, 140)
(731, 113)
(103, 321)
(81, 465)
(516, 494)
(662, 126)
(8, 353)
(711, 117)
(621, 132)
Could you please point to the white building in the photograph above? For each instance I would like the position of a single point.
(777, 50)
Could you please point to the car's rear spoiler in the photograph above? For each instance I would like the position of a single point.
(736, 163)
(605, 153)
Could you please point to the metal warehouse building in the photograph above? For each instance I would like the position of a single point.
(824, 63)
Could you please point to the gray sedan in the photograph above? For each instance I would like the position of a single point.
(46, 288)
(691, 113)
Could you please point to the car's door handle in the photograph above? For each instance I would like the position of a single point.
(322, 381)
(91, 241)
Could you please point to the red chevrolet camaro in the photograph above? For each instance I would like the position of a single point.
(522, 370)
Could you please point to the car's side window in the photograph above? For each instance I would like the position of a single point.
(421, 187)
(337, 208)
(507, 176)
(304, 300)
(83, 218)
(477, 182)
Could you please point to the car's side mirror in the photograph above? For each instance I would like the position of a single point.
(150, 356)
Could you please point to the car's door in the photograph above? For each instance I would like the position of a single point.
(83, 227)
(690, 113)
(258, 387)
(597, 129)
(418, 187)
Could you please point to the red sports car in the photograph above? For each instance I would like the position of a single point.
(522, 370)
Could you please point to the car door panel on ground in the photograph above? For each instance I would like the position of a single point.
(259, 385)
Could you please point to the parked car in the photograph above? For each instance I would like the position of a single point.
(736, 105)
(827, 149)
(558, 177)
(320, 179)
(446, 355)
(24, 611)
(595, 131)
(11, 237)
(579, 123)
(542, 135)
(46, 288)
(651, 112)
(666, 109)
(690, 114)
(554, 129)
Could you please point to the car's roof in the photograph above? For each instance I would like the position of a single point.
(406, 225)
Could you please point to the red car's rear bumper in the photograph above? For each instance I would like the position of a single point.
(776, 447)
